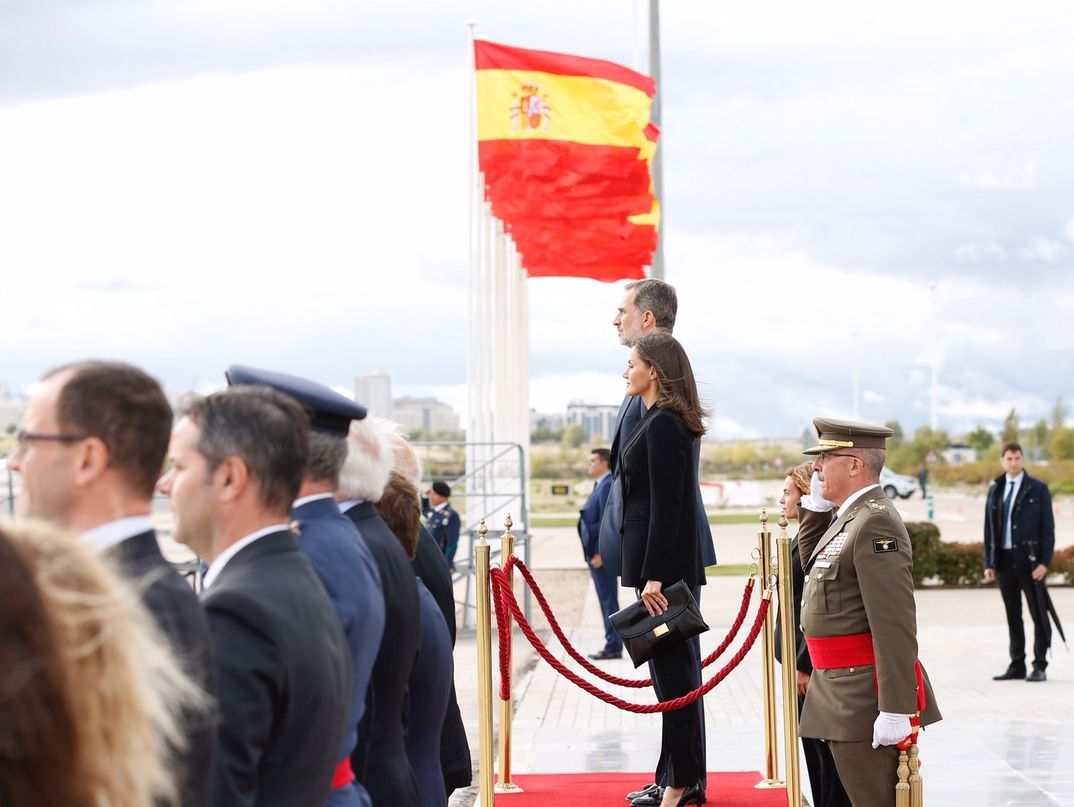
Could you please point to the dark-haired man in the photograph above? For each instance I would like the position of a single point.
(589, 532)
(90, 450)
(283, 666)
(1019, 539)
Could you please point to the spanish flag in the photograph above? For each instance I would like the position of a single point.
(565, 145)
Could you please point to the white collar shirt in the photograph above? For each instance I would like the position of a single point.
(1012, 485)
(312, 498)
(111, 533)
(853, 497)
(222, 559)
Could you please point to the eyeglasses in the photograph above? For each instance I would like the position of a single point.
(824, 457)
(23, 439)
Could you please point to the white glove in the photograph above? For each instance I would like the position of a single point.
(813, 500)
(890, 729)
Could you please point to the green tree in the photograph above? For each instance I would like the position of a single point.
(1010, 427)
(1061, 445)
(1037, 439)
(574, 436)
(980, 438)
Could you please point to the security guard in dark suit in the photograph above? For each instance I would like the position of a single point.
(342, 560)
(443, 521)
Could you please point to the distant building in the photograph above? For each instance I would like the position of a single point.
(958, 453)
(598, 420)
(374, 391)
(424, 414)
(11, 409)
(553, 421)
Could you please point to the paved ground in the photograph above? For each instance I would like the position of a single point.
(1000, 743)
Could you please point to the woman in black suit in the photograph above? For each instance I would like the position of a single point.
(659, 534)
(823, 777)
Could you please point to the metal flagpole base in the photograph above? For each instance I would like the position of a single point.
(508, 787)
(770, 784)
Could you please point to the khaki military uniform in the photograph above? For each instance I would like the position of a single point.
(858, 580)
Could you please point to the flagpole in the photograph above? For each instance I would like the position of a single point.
(473, 285)
(657, 268)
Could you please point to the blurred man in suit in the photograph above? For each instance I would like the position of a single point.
(589, 532)
(283, 667)
(339, 556)
(380, 759)
(90, 450)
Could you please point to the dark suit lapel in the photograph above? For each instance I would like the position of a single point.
(271, 544)
(637, 432)
(1023, 491)
(138, 547)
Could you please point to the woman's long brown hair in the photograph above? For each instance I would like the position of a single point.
(678, 389)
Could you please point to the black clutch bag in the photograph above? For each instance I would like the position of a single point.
(645, 636)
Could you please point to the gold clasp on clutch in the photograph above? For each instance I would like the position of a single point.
(660, 630)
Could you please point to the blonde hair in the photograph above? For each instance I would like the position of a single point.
(800, 474)
(109, 707)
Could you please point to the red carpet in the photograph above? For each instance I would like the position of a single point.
(608, 789)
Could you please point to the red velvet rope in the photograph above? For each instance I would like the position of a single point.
(506, 597)
(636, 683)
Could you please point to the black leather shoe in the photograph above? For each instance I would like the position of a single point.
(1011, 675)
(605, 654)
(1037, 675)
(649, 791)
(691, 795)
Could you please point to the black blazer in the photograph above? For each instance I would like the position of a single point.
(802, 661)
(1032, 523)
(284, 676)
(175, 609)
(660, 536)
(380, 760)
(431, 566)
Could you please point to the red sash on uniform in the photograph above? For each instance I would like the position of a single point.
(343, 775)
(854, 650)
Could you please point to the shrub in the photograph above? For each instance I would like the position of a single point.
(961, 564)
(925, 540)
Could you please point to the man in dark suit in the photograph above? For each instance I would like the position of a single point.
(444, 522)
(589, 532)
(91, 448)
(431, 567)
(648, 305)
(283, 668)
(340, 558)
(1019, 539)
(380, 759)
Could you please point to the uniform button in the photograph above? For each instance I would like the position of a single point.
(818, 575)
(803, 603)
(852, 669)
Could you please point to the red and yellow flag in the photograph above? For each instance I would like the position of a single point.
(565, 145)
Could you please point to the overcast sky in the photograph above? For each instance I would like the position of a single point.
(190, 183)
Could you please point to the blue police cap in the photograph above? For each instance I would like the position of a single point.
(329, 411)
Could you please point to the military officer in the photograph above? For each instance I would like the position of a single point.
(858, 613)
(443, 521)
(341, 559)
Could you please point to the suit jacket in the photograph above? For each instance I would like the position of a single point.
(858, 579)
(349, 574)
(430, 684)
(175, 609)
(631, 411)
(283, 674)
(431, 567)
(590, 517)
(1032, 523)
(380, 760)
(660, 540)
(801, 661)
(445, 525)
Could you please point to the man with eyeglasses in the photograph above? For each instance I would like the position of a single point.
(91, 447)
(867, 689)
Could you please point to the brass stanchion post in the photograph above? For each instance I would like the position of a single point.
(768, 660)
(484, 671)
(788, 651)
(505, 785)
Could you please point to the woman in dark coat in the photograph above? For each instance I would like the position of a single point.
(660, 540)
(823, 777)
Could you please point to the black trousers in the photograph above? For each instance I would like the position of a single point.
(823, 776)
(1013, 583)
(676, 672)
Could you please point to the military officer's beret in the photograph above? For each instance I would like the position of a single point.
(441, 489)
(330, 412)
(834, 434)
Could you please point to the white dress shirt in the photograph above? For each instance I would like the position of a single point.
(312, 498)
(853, 497)
(1017, 480)
(105, 536)
(222, 559)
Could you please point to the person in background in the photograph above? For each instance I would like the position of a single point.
(823, 776)
(923, 479)
(433, 672)
(91, 694)
(444, 522)
(604, 580)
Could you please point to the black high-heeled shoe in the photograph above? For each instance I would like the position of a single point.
(694, 794)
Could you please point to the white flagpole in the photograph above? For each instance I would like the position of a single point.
(473, 319)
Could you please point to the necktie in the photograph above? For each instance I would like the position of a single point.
(1007, 510)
